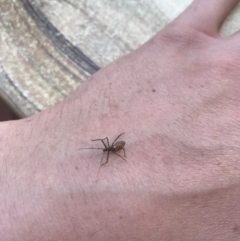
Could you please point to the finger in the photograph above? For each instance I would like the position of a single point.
(207, 15)
(234, 37)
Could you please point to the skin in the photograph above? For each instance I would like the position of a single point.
(177, 100)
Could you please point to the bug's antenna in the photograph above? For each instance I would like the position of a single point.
(90, 148)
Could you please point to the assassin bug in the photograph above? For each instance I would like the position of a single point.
(114, 147)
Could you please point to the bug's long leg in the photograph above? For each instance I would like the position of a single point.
(120, 156)
(106, 160)
(124, 152)
(101, 141)
(102, 157)
(117, 138)
(107, 142)
(106, 138)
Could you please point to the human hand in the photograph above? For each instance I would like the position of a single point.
(176, 98)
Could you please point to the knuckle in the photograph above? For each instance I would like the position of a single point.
(225, 62)
(180, 36)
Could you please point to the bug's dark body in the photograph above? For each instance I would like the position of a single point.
(114, 147)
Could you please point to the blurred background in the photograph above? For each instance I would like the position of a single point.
(6, 113)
